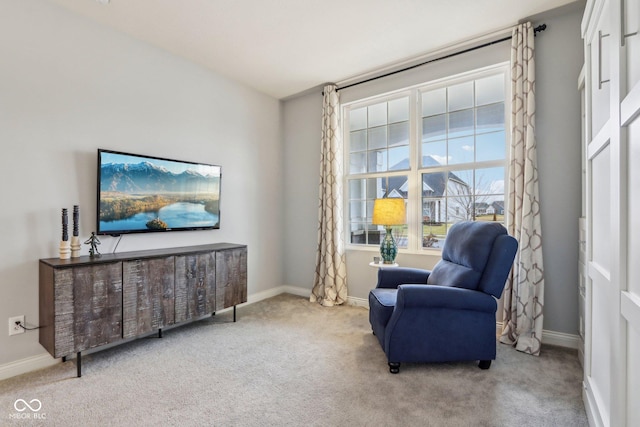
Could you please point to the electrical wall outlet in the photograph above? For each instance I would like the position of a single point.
(15, 325)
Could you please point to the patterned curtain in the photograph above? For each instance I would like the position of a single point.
(524, 292)
(330, 283)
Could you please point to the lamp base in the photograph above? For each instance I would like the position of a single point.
(388, 248)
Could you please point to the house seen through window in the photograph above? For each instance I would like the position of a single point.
(440, 146)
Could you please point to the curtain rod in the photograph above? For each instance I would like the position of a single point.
(536, 30)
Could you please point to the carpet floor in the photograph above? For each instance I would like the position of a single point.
(288, 362)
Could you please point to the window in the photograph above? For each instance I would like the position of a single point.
(440, 146)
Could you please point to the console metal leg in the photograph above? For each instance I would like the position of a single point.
(159, 333)
(234, 313)
(79, 364)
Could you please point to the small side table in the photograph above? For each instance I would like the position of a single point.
(382, 265)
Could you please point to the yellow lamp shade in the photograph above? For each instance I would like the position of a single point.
(389, 212)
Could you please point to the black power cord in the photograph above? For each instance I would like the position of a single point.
(27, 329)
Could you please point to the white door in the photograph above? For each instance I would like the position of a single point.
(611, 30)
(630, 136)
(630, 299)
(600, 294)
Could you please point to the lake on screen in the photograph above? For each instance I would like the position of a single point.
(177, 215)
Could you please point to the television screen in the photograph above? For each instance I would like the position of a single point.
(138, 193)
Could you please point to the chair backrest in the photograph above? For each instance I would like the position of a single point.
(476, 255)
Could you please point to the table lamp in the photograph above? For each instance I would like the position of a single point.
(388, 212)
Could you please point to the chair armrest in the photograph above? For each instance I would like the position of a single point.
(434, 296)
(394, 276)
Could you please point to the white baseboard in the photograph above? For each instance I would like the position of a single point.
(295, 290)
(358, 302)
(259, 296)
(591, 405)
(27, 364)
(560, 339)
(304, 292)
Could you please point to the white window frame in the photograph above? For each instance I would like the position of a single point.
(414, 201)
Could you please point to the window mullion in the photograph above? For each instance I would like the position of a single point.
(413, 201)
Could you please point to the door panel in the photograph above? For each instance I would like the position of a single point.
(602, 293)
(631, 298)
(633, 372)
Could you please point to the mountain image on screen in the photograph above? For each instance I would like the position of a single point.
(147, 178)
(151, 194)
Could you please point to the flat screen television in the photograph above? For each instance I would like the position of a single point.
(140, 194)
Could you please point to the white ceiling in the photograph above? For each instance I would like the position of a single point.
(284, 47)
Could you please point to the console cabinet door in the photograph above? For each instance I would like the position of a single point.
(148, 295)
(231, 277)
(88, 307)
(194, 285)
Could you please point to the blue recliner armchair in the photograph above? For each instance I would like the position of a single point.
(447, 314)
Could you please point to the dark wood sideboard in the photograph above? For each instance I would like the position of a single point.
(88, 302)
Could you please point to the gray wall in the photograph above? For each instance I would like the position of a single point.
(302, 131)
(558, 63)
(69, 86)
(559, 59)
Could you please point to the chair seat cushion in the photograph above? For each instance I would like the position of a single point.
(385, 298)
(382, 301)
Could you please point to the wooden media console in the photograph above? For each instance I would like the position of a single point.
(89, 302)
